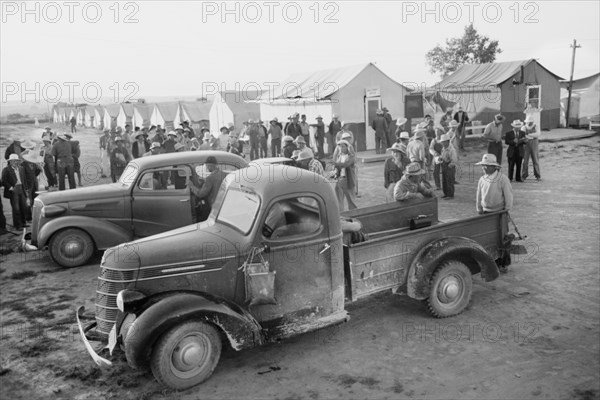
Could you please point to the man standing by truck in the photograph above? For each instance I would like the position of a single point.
(207, 193)
(494, 192)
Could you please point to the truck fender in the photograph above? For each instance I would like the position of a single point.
(240, 328)
(430, 256)
(103, 233)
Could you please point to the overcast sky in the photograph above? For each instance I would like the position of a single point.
(176, 46)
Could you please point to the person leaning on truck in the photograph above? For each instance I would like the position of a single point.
(494, 192)
(207, 193)
(411, 186)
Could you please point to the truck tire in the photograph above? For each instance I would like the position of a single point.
(71, 247)
(451, 289)
(186, 355)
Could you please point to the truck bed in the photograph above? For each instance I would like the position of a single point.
(382, 261)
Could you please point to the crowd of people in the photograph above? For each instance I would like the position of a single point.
(430, 149)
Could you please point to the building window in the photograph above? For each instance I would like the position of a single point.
(533, 96)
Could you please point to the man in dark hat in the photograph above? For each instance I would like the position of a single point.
(305, 129)
(493, 135)
(276, 133)
(15, 189)
(206, 193)
(380, 127)
(391, 131)
(320, 136)
(65, 165)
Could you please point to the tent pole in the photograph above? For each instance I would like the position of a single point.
(574, 46)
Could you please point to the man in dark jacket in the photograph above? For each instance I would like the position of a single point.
(515, 140)
(118, 159)
(65, 165)
(380, 127)
(207, 193)
(15, 189)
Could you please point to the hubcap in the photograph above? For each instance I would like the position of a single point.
(189, 354)
(449, 289)
(72, 247)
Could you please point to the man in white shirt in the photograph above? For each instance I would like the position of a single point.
(494, 192)
(531, 149)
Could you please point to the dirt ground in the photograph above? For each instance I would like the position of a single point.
(534, 333)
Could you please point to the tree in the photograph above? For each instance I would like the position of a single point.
(471, 48)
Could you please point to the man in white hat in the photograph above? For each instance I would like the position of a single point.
(169, 144)
(493, 135)
(462, 118)
(515, 139)
(275, 131)
(494, 192)
(305, 159)
(15, 189)
(416, 148)
(393, 169)
(380, 126)
(344, 164)
(411, 185)
(532, 134)
(390, 136)
(154, 149)
(288, 146)
(448, 160)
(140, 146)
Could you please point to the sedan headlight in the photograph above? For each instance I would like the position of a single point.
(52, 211)
(129, 299)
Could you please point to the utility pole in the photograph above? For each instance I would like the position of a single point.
(574, 46)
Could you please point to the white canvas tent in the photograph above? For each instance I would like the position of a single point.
(141, 114)
(232, 107)
(196, 112)
(164, 114)
(111, 112)
(125, 115)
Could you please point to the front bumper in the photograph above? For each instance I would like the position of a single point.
(100, 361)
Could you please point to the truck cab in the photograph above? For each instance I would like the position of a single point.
(174, 299)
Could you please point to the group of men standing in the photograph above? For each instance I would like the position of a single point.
(58, 158)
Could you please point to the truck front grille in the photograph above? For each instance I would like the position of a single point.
(110, 283)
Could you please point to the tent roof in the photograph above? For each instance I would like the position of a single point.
(197, 110)
(485, 75)
(168, 110)
(128, 109)
(113, 109)
(581, 83)
(321, 84)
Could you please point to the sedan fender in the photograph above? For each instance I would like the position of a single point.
(104, 234)
(465, 250)
(240, 328)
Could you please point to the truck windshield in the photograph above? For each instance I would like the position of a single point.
(129, 175)
(239, 209)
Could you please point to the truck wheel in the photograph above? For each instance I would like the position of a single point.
(71, 247)
(186, 355)
(451, 289)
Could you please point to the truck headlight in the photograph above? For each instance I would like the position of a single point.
(52, 211)
(129, 299)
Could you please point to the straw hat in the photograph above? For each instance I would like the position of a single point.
(404, 135)
(27, 144)
(13, 157)
(529, 119)
(287, 138)
(488, 159)
(516, 123)
(401, 121)
(453, 124)
(31, 156)
(445, 138)
(397, 147)
(305, 154)
(499, 117)
(414, 169)
(299, 139)
(343, 141)
(155, 145)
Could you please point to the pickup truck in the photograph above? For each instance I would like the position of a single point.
(173, 300)
(150, 197)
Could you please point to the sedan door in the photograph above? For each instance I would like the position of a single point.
(161, 200)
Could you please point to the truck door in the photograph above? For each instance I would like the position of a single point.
(296, 232)
(161, 201)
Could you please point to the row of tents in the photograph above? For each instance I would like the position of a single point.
(355, 93)
(220, 110)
